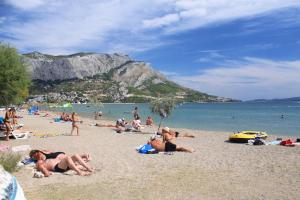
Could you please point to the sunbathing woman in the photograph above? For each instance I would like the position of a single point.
(60, 162)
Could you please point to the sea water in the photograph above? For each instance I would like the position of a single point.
(280, 118)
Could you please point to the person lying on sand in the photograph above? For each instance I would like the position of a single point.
(167, 146)
(105, 125)
(48, 162)
(168, 135)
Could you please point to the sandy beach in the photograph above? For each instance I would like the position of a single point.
(217, 170)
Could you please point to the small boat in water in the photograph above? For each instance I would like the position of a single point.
(244, 136)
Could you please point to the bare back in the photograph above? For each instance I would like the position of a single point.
(158, 145)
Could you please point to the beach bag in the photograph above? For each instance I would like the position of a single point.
(147, 149)
(258, 142)
(286, 142)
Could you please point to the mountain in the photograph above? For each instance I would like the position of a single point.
(296, 99)
(103, 77)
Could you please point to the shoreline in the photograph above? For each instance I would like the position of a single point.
(232, 118)
(216, 168)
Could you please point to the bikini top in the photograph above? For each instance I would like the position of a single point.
(52, 155)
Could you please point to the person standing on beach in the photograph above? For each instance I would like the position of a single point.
(75, 121)
(8, 122)
(135, 113)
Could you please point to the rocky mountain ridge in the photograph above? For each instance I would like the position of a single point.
(106, 77)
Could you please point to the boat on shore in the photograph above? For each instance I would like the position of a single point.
(244, 136)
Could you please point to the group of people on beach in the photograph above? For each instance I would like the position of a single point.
(48, 162)
(167, 143)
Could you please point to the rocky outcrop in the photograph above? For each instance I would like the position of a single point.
(78, 66)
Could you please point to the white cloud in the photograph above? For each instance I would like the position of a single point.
(248, 79)
(70, 26)
(25, 4)
(194, 13)
(161, 21)
(211, 55)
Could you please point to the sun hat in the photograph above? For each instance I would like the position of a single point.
(166, 129)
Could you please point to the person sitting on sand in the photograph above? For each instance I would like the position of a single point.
(120, 122)
(168, 135)
(167, 146)
(60, 162)
(149, 121)
(136, 124)
(75, 121)
(65, 117)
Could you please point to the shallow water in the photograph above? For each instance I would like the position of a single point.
(276, 118)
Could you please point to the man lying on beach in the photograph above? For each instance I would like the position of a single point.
(168, 135)
(167, 146)
(60, 162)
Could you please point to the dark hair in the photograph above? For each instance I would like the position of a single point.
(32, 152)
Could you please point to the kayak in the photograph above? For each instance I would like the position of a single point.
(244, 136)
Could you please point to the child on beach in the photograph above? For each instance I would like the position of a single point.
(75, 121)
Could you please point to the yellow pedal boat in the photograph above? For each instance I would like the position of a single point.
(244, 136)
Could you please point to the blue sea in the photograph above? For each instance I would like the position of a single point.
(280, 118)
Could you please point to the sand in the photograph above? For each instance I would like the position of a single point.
(217, 170)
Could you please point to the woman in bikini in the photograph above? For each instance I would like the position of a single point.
(60, 162)
(75, 121)
(8, 122)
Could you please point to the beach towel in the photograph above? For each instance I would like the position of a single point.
(275, 142)
(27, 161)
(4, 148)
(16, 134)
(147, 149)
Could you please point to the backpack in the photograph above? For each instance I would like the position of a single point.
(258, 141)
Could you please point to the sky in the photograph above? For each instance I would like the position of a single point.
(242, 49)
